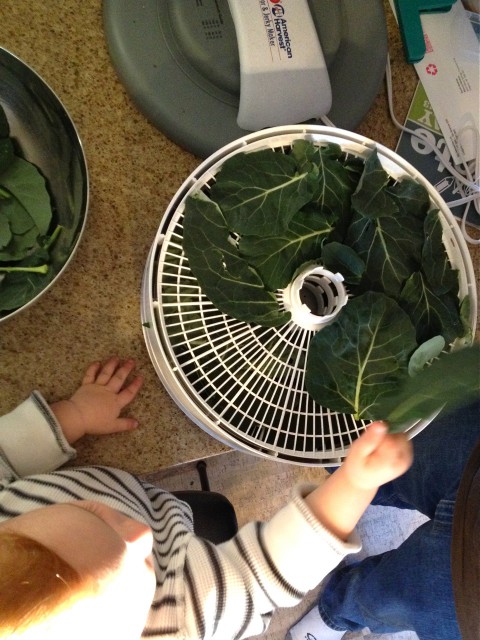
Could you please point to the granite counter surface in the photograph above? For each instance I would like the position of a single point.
(93, 311)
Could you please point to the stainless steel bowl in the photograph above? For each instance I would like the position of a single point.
(46, 136)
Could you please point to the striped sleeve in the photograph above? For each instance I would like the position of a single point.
(31, 440)
(232, 589)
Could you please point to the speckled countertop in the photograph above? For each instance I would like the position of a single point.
(93, 310)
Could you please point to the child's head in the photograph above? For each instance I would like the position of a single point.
(35, 583)
(75, 570)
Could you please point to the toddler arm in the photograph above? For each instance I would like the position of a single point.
(36, 437)
(31, 440)
(374, 459)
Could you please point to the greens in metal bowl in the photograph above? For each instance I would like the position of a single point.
(43, 186)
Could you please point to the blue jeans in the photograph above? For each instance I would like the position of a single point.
(411, 587)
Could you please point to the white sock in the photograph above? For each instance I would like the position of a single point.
(312, 627)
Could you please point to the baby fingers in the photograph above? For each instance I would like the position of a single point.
(112, 374)
(126, 395)
(91, 373)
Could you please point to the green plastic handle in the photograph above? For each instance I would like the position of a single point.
(408, 15)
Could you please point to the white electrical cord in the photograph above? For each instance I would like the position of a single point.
(472, 181)
(327, 122)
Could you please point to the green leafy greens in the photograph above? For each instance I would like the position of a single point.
(448, 382)
(26, 218)
(232, 285)
(269, 212)
(355, 361)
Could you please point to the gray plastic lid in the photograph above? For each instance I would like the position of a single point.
(179, 62)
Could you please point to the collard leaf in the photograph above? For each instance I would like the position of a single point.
(19, 288)
(225, 278)
(390, 249)
(23, 180)
(371, 199)
(19, 220)
(16, 289)
(277, 258)
(20, 246)
(354, 167)
(260, 192)
(340, 258)
(6, 153)
(24, 234)
(425, 353)
(448, 383)
(435, 262)
(25, 218)
(361, 356)
(5, 231)
(334, 187)
(411, 198)
(431, 314)
(307, 154)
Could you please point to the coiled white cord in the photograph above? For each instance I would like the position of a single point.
(472, 169)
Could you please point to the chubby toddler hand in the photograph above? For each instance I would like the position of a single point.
(377, 457)
(96, 405)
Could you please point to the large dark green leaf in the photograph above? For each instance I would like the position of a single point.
(361, 356)
(25, 218)
(435, 262)
(260, 192)
(23, 180)
(340, 258)
(20, 246)
(371, 198)
(411, 198)
(277, 258)
(390, 249)
(6, 153)
(5, 231)
(225, 278)
(354, 167)
(449, 382)
(334, 188)
(431, 314)
(19, 231)
(18, 217)
(16, 289)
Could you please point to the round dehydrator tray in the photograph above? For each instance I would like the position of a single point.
(243, 383)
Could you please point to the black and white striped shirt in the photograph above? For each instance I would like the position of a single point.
(203, 590)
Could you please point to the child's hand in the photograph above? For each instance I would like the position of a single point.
(377, 457)
(96, 406)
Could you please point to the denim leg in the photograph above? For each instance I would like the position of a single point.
(441, 451)
(407, 588)
(411, 587)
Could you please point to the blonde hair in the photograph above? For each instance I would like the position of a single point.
(35, 584)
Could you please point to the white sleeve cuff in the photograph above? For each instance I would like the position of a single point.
(31, 439)
(305, 551)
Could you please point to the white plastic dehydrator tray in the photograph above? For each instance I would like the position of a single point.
(243, 383)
